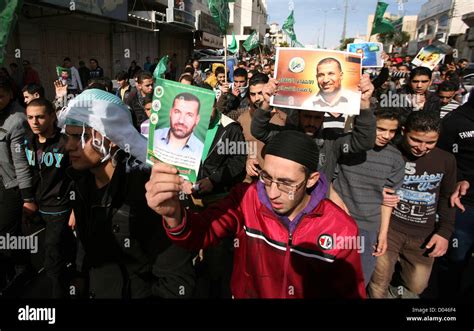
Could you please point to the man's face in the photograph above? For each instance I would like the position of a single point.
(122, 83)
(463, 65)
(329, 77)
(184, 117)
(87, 157)
(147, 108)
(403, 69)
(196, 65)
(240, 81)
(266, 69)
(221, 78)
(407, 59)
(290, 174)
(39, 120)
(67, 64)
(146, 86)
(386, 130)
(93, 64)
(29, 97)
(252, 66)
(446, 96)
(5, 98)
(256, 95)
(272, 70)
(420, 143)
(420, 84)
(310, 121)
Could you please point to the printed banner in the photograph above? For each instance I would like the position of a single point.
(429, 57)
(371, 53)
(179, 122)
(318, 79)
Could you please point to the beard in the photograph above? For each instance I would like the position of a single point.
(180, 131)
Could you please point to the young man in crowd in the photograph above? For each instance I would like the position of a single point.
(47, 156)
(446, 92)
(255, 99)
(145, 126)
(136, 96)
(281, 247)
(95, 71)
(124, 90)
(362, 195)
(415, 95)
(75, 86)
(222, 87)
(457, 138)
(238, 101)
(16, 185)
(31, 92)
(415, 238)
(126, 252)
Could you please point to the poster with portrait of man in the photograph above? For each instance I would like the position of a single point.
(318, 79)
(429, 57)
(64, 75)
(371, 53)
(179, 121)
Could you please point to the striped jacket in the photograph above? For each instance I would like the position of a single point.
(274, 259)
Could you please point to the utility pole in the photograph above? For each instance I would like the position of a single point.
(344, 26)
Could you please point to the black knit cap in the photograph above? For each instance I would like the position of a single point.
(295, 146)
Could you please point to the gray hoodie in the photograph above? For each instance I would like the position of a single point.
(14, 168)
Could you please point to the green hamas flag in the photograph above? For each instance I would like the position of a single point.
(289, 28)
(381, 25)
(161, 67)
(220, 12)
(251, 42)
(8, 17)
(233, 46)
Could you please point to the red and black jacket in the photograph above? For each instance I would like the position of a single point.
(272, 260)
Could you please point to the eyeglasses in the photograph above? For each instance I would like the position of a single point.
(282, 187)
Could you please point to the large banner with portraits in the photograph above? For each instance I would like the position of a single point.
(179, 124)
(318, 79)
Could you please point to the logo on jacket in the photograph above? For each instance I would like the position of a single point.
(325, 241)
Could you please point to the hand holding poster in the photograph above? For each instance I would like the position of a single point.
(178, 126)
(429, 57)
(371, 53)
(318, 79)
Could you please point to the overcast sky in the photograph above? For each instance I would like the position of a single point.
(309, 17)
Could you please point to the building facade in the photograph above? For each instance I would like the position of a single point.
(442, 20)
(247, 16)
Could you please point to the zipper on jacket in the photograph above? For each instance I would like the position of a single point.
(285, 289)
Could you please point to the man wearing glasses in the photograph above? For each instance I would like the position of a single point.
(289, 240)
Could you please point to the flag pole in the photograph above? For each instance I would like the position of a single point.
(225, 56)
(261, 56)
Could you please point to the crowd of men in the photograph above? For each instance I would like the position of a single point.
(316, 204)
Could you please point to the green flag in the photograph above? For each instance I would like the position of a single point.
(251, 42)
(161, 67)
(381, 25)
(233, 46)
(8, 15)
(220, 12)
(289, 28)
